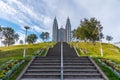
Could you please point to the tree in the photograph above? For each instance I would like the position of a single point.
(46, 36)
(89, 30)
(109, 38)
(42, 36)
(21, 41)
(74, 35)
(32, 38)
(1, 33)
(0, 30)
(9, 36)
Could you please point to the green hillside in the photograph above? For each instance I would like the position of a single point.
(16, 52)
(89, 49)
(111, 56)
(110, 51)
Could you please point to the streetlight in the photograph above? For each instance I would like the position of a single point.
(101, 50)
(26, 27)
(1, 35)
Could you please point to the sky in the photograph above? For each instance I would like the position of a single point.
(39, 15)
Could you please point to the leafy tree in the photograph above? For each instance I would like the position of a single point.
(74, 35)
(0, 29)
(46, 36)
(89, 30)
(109, 38)
(42, 36)
(32, 38)
(1, 33)
(21, 41)
(10, 36)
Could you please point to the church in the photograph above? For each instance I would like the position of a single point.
(62, 34)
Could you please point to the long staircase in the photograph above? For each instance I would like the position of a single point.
(80, 68)
(50, 68)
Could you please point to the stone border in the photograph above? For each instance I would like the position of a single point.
(102, 73)
(47, 51)
(24, 70)
(76, 51)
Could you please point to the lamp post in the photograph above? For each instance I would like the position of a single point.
(1, 35)
(26, 27)
(101, 50)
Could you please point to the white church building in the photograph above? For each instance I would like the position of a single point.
(61, 34)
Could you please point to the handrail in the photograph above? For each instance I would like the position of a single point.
(61, 61)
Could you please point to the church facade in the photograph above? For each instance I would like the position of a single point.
(62, 34)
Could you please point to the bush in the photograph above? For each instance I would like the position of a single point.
(8, 67)
(111, 64)
(1, 76)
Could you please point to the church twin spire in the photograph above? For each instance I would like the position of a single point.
(61, 34)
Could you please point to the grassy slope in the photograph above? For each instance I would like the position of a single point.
(16, 52)
(110, 51)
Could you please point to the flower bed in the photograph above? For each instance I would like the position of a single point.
(10, 68)
(111, 65)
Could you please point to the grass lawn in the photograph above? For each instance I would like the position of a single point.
(110, 51)
(16, 52)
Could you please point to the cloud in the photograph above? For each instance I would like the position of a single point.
(39, 14)
(17, 12)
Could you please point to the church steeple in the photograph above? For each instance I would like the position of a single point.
(62, 34)
(68, 30)
(55, 30)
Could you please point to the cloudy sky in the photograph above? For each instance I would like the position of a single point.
(39, 14)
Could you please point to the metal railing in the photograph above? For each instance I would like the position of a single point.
(61, 60)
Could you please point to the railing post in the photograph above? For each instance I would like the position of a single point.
(61, 60)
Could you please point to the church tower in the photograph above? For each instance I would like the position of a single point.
(68, 30)
(55, 31)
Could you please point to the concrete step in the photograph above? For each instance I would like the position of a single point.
(63, 59)
(82, 76)
(38, 79)
(80, 72)
(77, 61)
(48, 61)
(47, 58)
(42, 72)
(59, 79)
(79, 67)
(85, 79)
(57, 75)
(46, 75)
(58, 64)
(44, 67)
(59, 69)
(78, 64)
(45, 64)
(65, 67)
